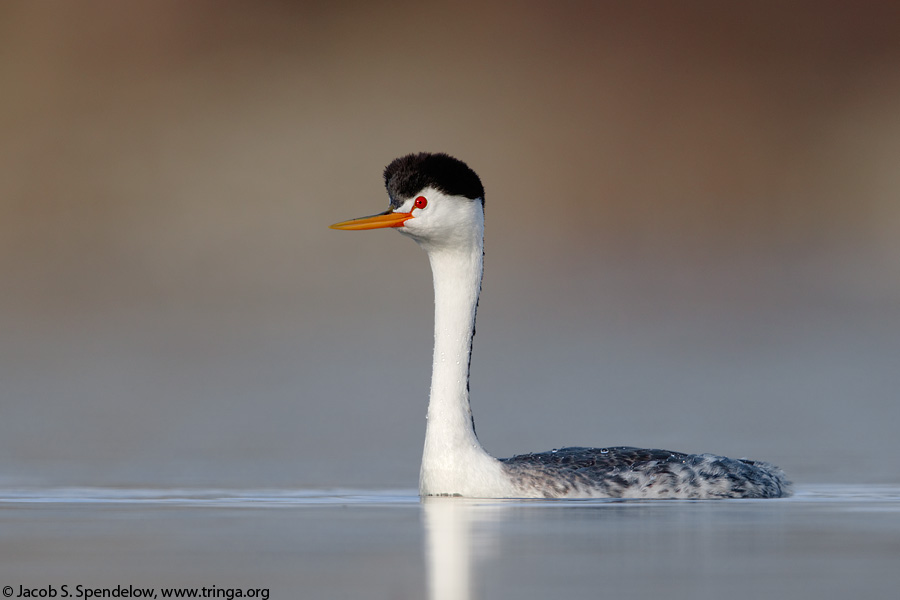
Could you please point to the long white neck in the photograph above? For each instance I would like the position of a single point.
(453, 461)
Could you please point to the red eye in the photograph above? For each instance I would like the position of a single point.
(421, 202)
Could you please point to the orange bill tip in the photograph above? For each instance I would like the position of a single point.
(389, 219)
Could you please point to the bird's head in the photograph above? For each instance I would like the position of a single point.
(435, 199)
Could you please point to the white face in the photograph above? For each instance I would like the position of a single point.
(444, 220)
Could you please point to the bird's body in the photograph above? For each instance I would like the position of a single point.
(439, 202)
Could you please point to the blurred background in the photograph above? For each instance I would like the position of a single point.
(693, 234)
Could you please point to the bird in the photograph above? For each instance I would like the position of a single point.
(438, 201)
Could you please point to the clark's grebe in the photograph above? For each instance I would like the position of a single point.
(439, 202)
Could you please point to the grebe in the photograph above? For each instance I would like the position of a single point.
(439, 202)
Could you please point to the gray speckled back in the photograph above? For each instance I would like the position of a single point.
(626, 472)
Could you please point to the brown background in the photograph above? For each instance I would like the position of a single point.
(692, 217)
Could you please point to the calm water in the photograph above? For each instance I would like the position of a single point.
(826, 542)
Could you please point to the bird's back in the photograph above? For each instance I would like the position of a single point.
(626, 472)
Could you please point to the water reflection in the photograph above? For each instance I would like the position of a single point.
(533, 549)
(448, 533)
(457, 536)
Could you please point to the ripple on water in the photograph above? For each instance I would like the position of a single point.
(205, 496)
(852, 497)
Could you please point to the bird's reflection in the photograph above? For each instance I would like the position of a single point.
(459, 536)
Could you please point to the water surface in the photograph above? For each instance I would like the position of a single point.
(826, 542)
